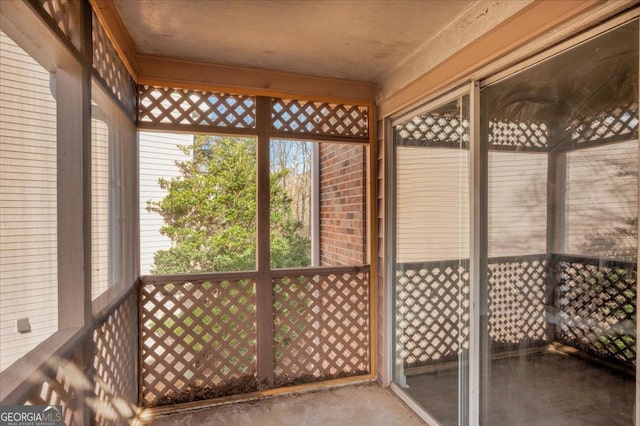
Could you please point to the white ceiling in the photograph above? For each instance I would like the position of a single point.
(353, 39)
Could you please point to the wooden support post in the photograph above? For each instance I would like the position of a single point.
(74, 243)
(264, 297)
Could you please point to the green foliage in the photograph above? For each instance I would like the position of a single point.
(210, 212)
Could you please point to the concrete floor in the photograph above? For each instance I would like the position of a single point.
(358, 405)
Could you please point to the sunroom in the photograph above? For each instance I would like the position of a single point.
(193, 217)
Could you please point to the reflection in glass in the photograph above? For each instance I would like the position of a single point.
(431, 285)
(560, 150)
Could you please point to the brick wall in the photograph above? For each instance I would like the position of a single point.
(342, 204)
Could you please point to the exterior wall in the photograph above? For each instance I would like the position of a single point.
(158, 156)
(28, 202)
(342, 205)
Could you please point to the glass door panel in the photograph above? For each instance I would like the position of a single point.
(560, 150)
(431, 284)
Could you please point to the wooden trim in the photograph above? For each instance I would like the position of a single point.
(538, 18)
(52, 26)
(264, 292)
(149, 414)
(157, 71)
(185, 128)
(638, 293)
(31, 31)
(201, 276)
(321, 270)
(577, 31)
(313, 137)
(110, 300)
(73, 188)
(117, 33)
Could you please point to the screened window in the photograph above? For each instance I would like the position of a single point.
(197, 203)
(28, 203)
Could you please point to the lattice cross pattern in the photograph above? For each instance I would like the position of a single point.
(116, 381)
(110, 67)
(432, 311)
(196, 337)
(598, 310)
(504, 134)
(431, 129)
(615, 123)
(319, 118)
(60, 388)
(62, 12)
(163, 105)
(321, 326)
(517, 298)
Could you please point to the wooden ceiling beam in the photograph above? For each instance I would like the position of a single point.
(184, 74)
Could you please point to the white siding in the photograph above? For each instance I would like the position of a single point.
(432, 211)
(158, 156)
(517, 203)
(28, 203)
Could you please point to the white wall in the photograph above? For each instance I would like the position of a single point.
(158, 156)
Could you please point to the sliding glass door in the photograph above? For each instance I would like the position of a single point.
(431, 259)
(520, 308)
(561, 158)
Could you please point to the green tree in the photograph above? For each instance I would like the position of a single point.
(210, 212)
